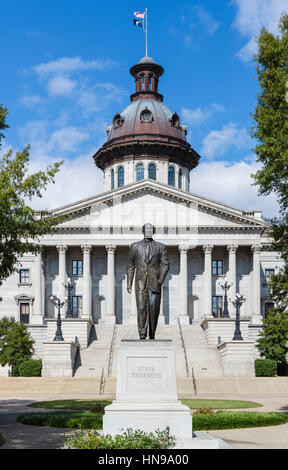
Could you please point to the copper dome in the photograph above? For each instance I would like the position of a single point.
(146, 125)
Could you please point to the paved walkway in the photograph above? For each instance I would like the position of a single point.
(19, 436)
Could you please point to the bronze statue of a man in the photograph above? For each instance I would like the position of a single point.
(150, 261)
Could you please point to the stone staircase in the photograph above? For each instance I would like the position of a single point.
(193, 356)
(203, 360)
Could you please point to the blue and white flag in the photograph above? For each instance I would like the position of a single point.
(139, 19)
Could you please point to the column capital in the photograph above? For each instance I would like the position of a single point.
(207, 248)
(62, 248)
(232, 248)
(256, 248)
(86, 248)
(110, 248)
(183, 248)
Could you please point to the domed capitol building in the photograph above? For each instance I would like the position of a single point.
(146, 163)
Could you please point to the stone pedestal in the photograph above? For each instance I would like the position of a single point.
(71, 327)
(146, 393)
(219, 330)
(237, 358)
(58, 358)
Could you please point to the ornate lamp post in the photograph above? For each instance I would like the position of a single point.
(237, 302)
(69, 287)
(59, 305)
(225, 286)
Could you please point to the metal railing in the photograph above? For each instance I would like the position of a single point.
(102, 382)
(184, 348)
(111, 352)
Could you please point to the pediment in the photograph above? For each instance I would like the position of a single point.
(160, 204)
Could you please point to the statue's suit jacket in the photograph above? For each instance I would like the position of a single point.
(150, 273)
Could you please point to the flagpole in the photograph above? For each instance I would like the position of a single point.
(146, 34)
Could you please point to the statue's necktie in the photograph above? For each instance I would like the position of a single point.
(147, 252)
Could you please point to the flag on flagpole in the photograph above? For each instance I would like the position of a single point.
(139, 19)
(139, 15)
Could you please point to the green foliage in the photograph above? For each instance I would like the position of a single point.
(265, 368)
(130, 439)
(204, 411)
(271, 131)
(16, 344)
(31, 368)
(237, 419)
(63, 419)
(271, 112)
(20, 225)
(274, 335)
(3, 125)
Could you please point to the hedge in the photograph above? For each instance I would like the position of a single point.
(30, 368)
(265, 368)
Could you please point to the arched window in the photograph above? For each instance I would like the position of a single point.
(112, 179)
(143, 82)
(150, 82)
(171, 176)
(180, 179)
(120, 176)
(139, 172)
(152, 171)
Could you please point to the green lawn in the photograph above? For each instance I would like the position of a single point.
(221, 419)
(193, 404)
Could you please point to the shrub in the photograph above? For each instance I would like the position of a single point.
(265, 368)
(16, 344)
(63, 419)
(130, 439)
(237, 419)
(31, 368)
(204, 411)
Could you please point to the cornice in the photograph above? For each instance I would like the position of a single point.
(204, 204)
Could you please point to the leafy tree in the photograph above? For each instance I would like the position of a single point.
(3, 125)
(20, 225)
(271, 131)
(16, 344)
(274, 335)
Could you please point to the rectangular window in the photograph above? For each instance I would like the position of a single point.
(217, 306)
(76, 306)
(24, 276)
(217, 266)
(24, 312)
(77, 267)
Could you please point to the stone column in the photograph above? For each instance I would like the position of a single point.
(110, 297)
(86, 305)
(183, 285)
(207, 281)
(38, 312)
(62, 275)
(232, 277)
(256, 292)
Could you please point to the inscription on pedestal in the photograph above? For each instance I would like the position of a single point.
(146, 375)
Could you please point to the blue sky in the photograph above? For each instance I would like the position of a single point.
(65, 73)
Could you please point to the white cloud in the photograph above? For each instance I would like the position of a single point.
(231, 183)
(206, 20)
(198, 115)
(68, 65)
(61, 86)
(31, 100)
(218, 142)
(78, 178)
(251, 16)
